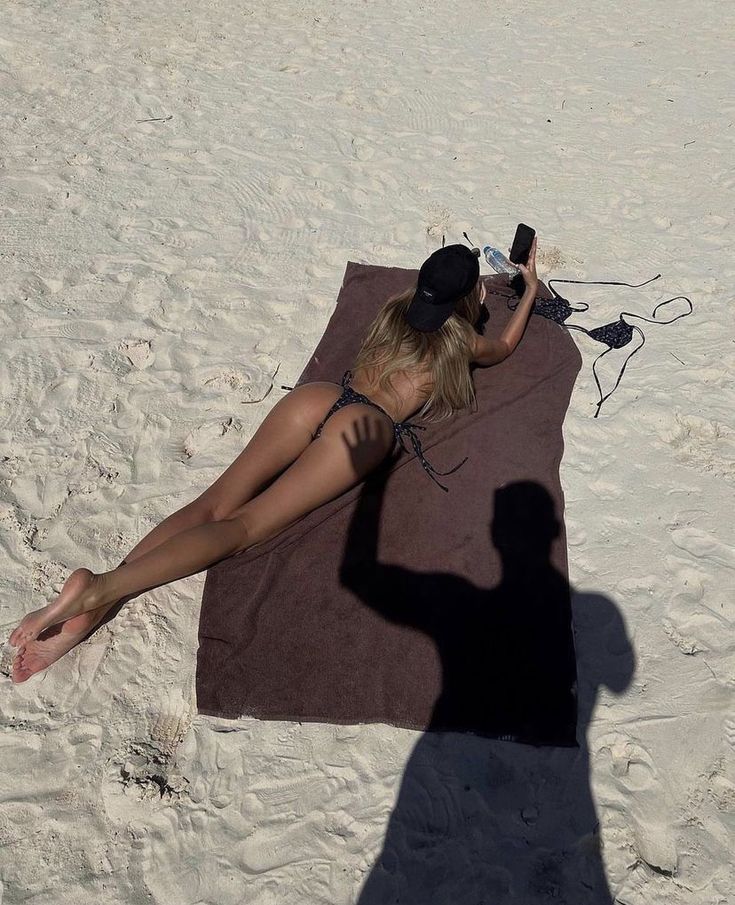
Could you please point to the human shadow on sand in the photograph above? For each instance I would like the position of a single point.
(508, 818)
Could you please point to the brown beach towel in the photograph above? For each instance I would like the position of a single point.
(398, 602)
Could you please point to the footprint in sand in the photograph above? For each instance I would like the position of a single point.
(701, 443)
(729, 731)
(705, 546)
(204, 436)
(147, 767)
(630, 763)
(7, 655)
(138, 352)
(170, 724)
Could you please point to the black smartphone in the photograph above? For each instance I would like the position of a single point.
(519, 251)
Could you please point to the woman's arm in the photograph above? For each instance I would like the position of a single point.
(491, 351)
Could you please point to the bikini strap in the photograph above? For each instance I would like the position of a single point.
(600, 283)
(650, 320)
(409, 428)
(622, 370)
(654, 320)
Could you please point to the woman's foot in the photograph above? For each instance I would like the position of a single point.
(55, 642)
(80, 594)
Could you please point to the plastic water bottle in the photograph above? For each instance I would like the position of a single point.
(497, 260)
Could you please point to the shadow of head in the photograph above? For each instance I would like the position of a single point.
(524, 524)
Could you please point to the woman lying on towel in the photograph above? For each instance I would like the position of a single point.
(414, 360)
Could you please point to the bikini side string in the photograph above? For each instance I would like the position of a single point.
(408, 428)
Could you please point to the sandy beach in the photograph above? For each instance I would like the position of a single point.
(181, 188)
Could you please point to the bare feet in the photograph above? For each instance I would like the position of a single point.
(53, 643)
(79, 595)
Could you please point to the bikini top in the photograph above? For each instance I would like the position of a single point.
(614, 335)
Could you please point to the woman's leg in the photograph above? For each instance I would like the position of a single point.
(285, 433)
(281, 438)
(354, 441)
(61, 638)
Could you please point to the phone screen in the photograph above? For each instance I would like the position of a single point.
(522, 242)
(519, 252)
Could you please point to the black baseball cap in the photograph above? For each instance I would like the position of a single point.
(445, 277)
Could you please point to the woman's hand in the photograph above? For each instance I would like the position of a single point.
(513, 330)
(529, 269)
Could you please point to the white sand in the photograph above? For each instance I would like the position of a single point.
(154, 277)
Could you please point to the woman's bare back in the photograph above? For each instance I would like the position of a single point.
(413, 390)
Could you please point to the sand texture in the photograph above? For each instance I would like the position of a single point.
(181, 186)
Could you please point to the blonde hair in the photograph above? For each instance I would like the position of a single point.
(392, 345)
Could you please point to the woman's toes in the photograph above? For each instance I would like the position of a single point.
(14, 635)
(70, 602)
(29, 627)
(21, 671)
